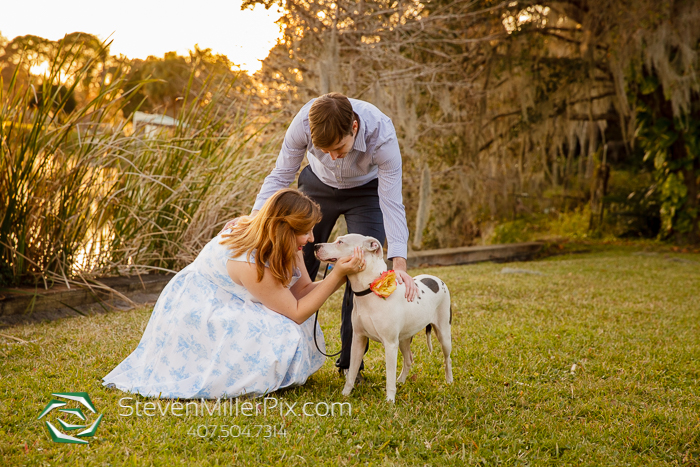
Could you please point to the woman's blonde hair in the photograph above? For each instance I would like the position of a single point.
(272, 232)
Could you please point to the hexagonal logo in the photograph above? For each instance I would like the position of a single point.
(78, 420)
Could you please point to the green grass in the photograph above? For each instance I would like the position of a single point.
(629, 322)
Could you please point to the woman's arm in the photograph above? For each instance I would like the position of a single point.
(271, 293)
(304, 284)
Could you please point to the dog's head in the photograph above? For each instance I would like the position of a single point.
(345, 246)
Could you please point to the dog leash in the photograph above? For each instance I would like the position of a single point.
(316, 322)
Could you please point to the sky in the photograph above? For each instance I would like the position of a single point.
(140, 28)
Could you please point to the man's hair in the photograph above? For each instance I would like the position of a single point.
(330, 119)
(272, 232)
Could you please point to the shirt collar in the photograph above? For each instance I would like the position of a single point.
(360, 144)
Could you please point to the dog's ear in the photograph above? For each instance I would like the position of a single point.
(371, 244)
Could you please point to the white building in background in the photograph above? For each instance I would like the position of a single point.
(152, 125)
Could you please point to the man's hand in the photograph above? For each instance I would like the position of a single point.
(402, 277)
(232, 223)
(229, 225)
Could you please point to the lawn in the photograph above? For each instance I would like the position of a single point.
(593, 361)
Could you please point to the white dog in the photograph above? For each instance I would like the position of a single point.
(393, 321)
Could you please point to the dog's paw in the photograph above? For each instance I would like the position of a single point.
(390, 399)
(347, 390)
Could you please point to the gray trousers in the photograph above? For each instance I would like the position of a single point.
(360, 206)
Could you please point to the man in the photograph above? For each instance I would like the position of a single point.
(355, 170)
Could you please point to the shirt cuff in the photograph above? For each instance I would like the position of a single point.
(258, 204)
(400, 250)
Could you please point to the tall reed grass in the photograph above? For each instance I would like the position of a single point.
(50, 174)
(175, 191)
(82, 195)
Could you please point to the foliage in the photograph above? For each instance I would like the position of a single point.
(498, 98)
(79, 56)
(173, 80)
(499, 104)
(175, 191)
(592, 363)
(520, 230)
(632, 205)
(82, 193)
(50, 181)
(670, 142)
(552, 225)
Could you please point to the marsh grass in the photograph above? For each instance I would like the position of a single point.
(627, 319)
(81, 195)
(175, 191)
(50, 173)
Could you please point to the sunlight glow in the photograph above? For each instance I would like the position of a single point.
(40, 69)
(529, 14)
(139, 28)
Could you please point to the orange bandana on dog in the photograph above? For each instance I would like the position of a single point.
(385, 284)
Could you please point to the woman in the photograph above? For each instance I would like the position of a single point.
(237, 320)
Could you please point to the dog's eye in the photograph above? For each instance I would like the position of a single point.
(339, 242)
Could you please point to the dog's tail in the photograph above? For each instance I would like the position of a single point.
(428, 330)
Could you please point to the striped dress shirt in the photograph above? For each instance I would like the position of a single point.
(375, 154)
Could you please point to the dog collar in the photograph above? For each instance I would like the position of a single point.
(363, 293)
(380, 286)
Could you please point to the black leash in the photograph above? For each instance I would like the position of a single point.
(316, 322)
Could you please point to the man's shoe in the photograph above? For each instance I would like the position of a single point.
(358, 380)
(337, 365)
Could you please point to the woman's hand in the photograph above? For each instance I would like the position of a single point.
(351, 264)
(295, 304)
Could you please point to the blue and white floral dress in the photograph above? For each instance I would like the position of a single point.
(209, 338)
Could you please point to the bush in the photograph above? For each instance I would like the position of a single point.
(632, 205)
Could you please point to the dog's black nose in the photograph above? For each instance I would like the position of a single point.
(317, 247)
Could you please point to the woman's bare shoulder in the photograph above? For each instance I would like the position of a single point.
(239, 269)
